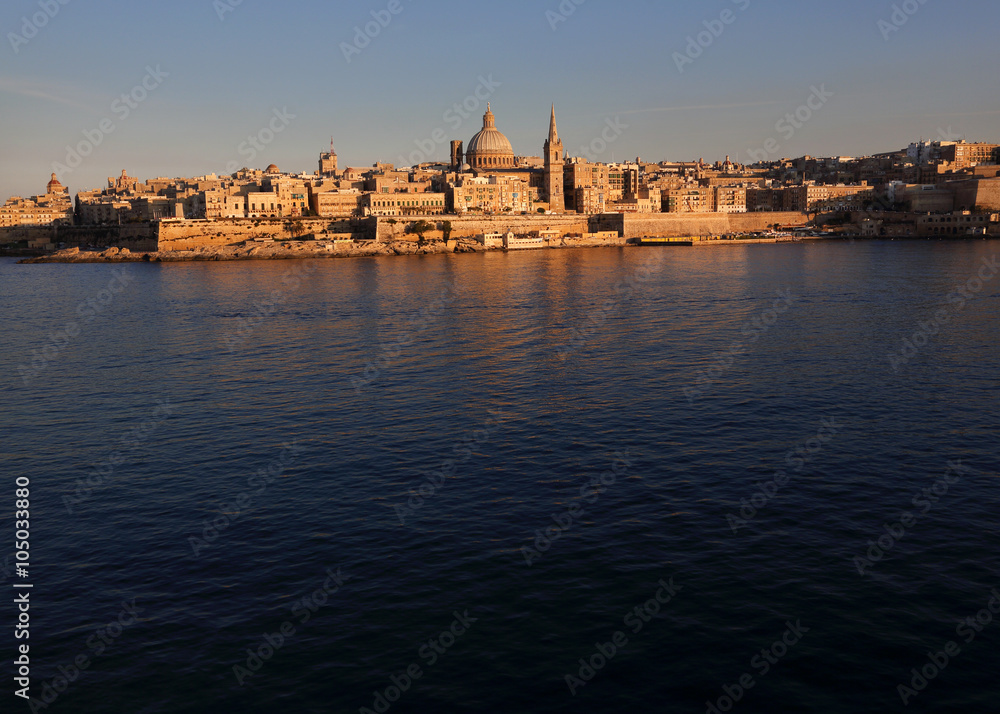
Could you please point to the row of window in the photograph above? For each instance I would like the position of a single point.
(263, 206)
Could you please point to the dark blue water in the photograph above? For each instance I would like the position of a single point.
(393, 440)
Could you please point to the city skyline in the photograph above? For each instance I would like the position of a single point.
(187, 113)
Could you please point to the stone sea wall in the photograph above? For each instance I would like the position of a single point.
(134, 236)
(470, 227)
(189, 235)
(199, 234)
(691, 225)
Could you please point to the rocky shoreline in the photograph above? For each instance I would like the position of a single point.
(292, 250)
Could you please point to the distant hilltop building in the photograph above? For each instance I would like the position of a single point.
(55, 207)
(123, 184)
(328, 163)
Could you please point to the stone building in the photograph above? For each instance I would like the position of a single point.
(587, 186)
(328, 163)
(218, 203)
(963, 155)
(404, 204)
(55, 206)
(332, 204)
(730, 199)
(292, 195)
(645, 200)
(123, 183)
(623, 181)
(102, 210)
(827, 198)
(261, 204)
(690, 199)
(491, 194)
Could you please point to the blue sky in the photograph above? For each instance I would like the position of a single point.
(223, 72)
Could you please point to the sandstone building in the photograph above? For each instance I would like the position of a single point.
(54, 207)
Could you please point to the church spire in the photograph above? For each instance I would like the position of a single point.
(554, 161)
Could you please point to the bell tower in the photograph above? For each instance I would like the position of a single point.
(554, 160)
(328, 163)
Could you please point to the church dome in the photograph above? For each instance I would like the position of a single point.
(490, 148)
(272, 169)
(54, 186)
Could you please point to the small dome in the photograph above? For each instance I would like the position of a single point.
(54, 186)
(272, 169)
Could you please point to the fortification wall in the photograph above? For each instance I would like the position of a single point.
(134, 236)
(637, 225)
(188, 235)
(469, 227)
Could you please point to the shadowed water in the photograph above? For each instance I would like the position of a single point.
(307, 408)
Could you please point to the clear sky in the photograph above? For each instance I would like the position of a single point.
(226, 70)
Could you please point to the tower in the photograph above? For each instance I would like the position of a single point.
(554, 160)
(328, 162)
(456, 155)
